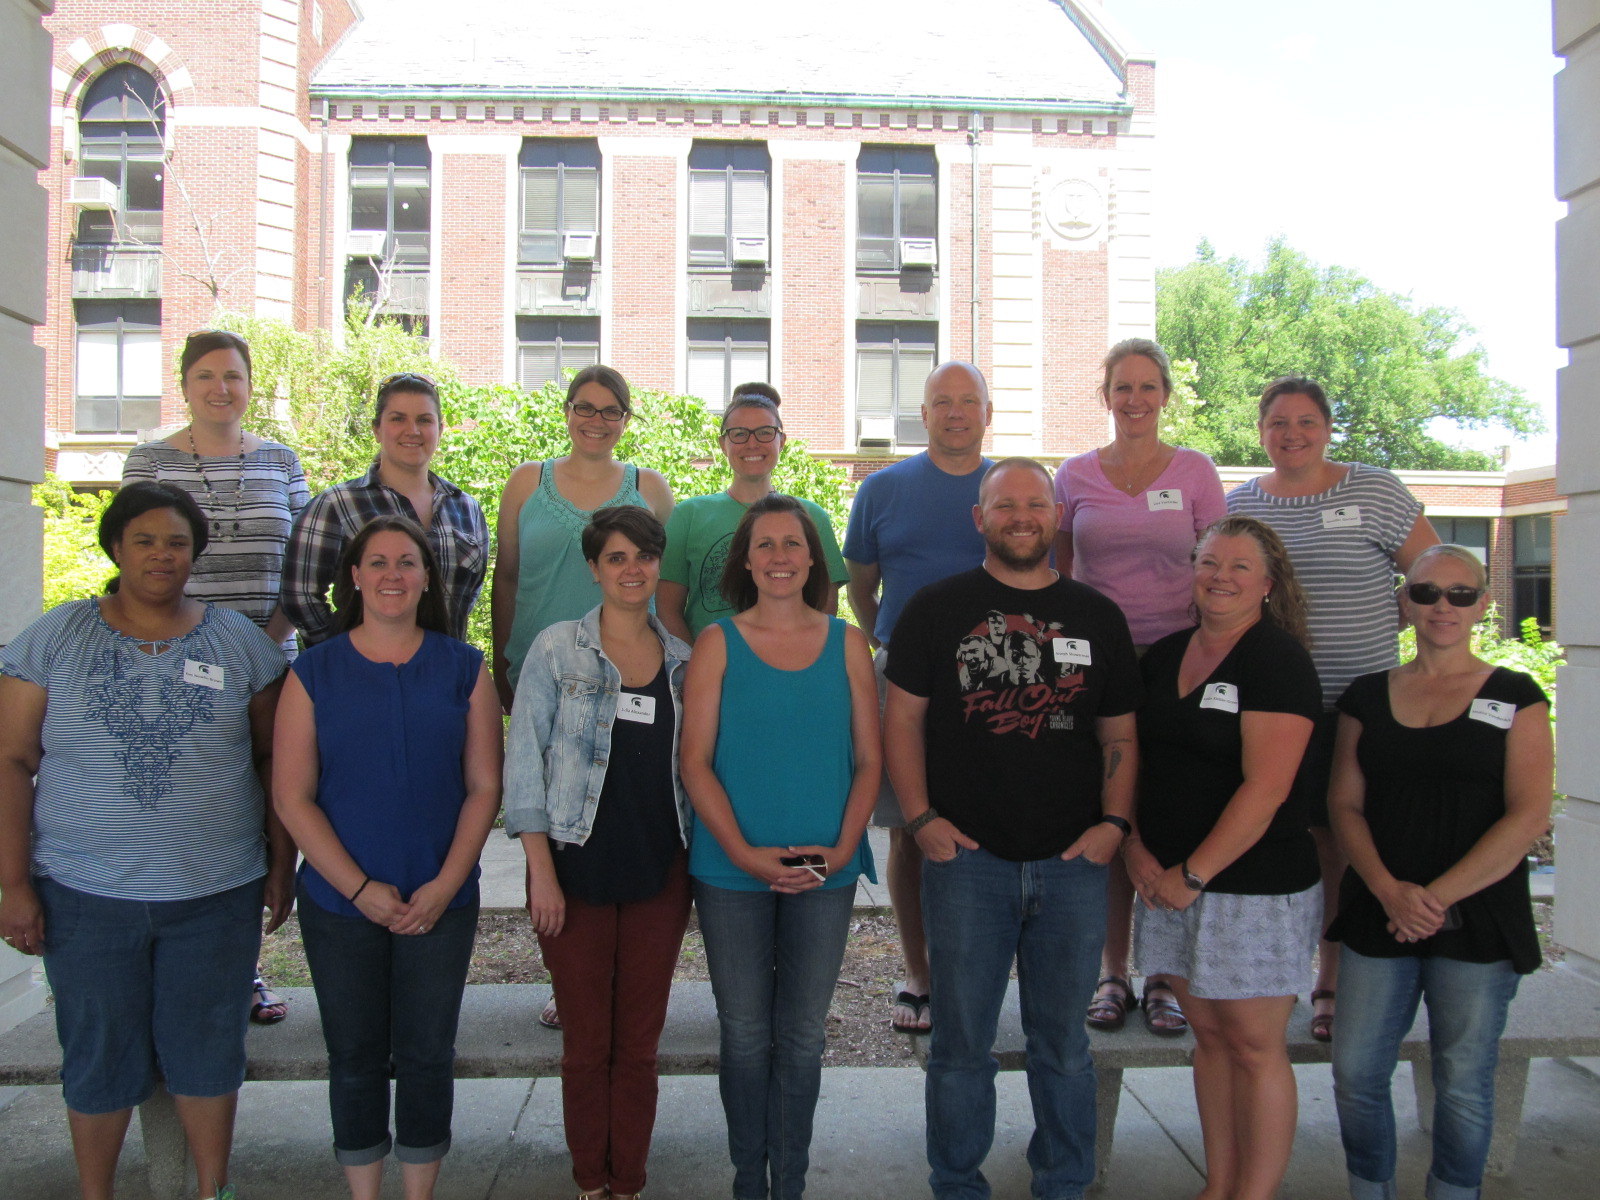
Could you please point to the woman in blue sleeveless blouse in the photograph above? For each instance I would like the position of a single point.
(780, 756)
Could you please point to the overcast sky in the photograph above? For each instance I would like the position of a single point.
(1410, 140)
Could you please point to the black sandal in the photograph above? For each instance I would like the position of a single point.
(1108, 1012)
(1161, 1004)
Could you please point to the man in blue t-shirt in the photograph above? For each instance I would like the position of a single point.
(911, 525)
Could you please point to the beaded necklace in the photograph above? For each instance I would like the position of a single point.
(213, 501)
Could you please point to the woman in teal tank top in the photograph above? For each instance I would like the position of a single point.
(540, 576)
(780, 757)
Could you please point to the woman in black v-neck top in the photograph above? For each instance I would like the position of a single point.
(1442, 780)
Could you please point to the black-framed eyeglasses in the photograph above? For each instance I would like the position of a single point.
(1460, 595)
(762, 433)
(584, 409)
(404, 379)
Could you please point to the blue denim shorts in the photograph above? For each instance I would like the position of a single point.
(149, 989)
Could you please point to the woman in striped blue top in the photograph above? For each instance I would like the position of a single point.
(1350, 529)
(135, 736)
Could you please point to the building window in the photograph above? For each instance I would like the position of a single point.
(118, 366)
(120, 140)
(1531, 560)
(1471, 532)
(548, 349)
(723, 354)
(728, 204)
(896, 202)
(893, 361)
(560, 201)
(390, 216)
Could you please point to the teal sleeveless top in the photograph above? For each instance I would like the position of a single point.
(554, 582)
(785, 757)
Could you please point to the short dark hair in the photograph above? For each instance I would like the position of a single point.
(405, 381)
(755, 388)
(739, 587)
(639, 525)
(140, 497)
(433, 609)
(608, 378)
(1294, 385)
(203, 341)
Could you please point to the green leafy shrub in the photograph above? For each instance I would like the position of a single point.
(74, 564)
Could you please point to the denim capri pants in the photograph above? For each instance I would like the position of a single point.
(149, 989)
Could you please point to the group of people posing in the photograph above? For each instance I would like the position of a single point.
(1162, 750)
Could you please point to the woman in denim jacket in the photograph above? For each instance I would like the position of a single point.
(592, 791)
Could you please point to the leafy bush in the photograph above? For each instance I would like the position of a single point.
(74, 564)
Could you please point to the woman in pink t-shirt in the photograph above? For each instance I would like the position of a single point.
(1134, 510)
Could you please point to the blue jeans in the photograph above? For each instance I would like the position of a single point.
(981, 912)
(1467, 1005)
(773, 961)
(389, 1007)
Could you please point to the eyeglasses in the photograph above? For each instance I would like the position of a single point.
(610, 412)
(404, 379)
(762, 433)
(1459, 595)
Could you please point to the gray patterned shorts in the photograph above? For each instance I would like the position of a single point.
(1232, 947)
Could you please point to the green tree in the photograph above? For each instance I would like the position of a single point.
(74, 564)
(1389, 367)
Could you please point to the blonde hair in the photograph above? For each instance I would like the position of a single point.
(1480, 573)
(1286, 605)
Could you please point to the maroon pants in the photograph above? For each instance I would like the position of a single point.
(611, 966)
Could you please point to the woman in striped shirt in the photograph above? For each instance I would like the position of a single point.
(1349, 529)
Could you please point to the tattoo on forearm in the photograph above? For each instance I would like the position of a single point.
(1113, 755)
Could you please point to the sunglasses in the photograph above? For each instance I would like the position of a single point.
(1459, 595)
(762, 433)
(406, 379)
(586, 410)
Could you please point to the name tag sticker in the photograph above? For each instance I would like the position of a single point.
(202, 674)
(1346, 516)
(1071, 650)
(1493, 712)
(631, 706)
(1166, 500)
(1224, 697)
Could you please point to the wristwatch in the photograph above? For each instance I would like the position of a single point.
(919, 821)
(1120, 822)
(1190, 880)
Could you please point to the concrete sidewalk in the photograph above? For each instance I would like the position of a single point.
(508, 1141)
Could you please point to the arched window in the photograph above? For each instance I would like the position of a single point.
(120, 125)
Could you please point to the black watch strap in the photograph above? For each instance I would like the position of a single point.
(920, 820)
(1121, 823)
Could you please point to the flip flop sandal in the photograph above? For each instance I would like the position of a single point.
(548, 1016)
(1162, 1014)
(269, 1008)
(1322, 1023)
(1109, 1011)
(915, 1004)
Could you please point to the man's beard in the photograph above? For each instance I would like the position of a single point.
(1017, 562)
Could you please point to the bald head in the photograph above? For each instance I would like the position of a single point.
(956, 411)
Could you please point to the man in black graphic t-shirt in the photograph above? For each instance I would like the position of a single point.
(1015, 775)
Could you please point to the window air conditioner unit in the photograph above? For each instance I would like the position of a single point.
(90, 191)
(750, 251)
(876, 432)
(365, 243)
(919, 252)
(578, 247)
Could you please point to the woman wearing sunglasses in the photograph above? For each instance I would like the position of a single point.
(1442, 781)
(540, 576)
(690, 596)
(407, 426)
(1349, 528)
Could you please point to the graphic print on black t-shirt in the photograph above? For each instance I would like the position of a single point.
(1019, 675)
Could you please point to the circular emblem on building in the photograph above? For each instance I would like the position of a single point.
(1075, 209)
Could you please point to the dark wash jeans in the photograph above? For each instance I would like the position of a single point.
(389, 1008)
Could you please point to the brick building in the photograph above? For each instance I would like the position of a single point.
(696, 195)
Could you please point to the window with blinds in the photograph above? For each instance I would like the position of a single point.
(390, 194)
(723, 354)
(560, 195)
(893, 361)
(729, 188)
(895, 198)
(118, 365)
(547, 350)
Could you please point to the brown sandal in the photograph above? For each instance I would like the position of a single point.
(1108, 1011)
(1163, 1016)
(1322, 1023)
